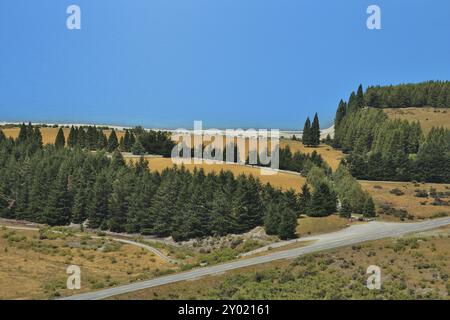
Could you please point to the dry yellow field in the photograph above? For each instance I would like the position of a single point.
(331, 156)
(316, 225)
(407, 201)
(34, 268)
(428, 117)
(49, 134)
(282, 180)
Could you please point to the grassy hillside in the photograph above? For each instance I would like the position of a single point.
(280, 180)
(33, 264)
(331, 156)
(404, 196)
(413, 267)
(428, 117)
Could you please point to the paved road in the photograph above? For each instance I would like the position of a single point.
(147, 247)
(330, 241)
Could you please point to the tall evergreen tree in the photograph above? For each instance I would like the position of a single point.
(119, 201)
(323, 201)
(306, 137)
(23, 134)
(81, 138)
(288, 224)
(272, 219)
(58, 210)
(340, 113)
(360, 97)
(112, 141)
(72, 139)
(352, 105)
(315, 132)
(345, 211)
(221, 210)
(137, 148)
(369, 208)
(60, 141)
(304, 199)
(126, 142)
(98, 212)
(162, 208)
(247, 206)
(38, 137)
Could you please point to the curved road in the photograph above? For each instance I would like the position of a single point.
(353, 235)
(130, 242)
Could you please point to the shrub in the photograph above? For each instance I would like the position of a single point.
(421, 193)
(397, 192)
(440, 202)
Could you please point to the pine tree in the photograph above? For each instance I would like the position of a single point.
(60, 141)
(323, 201)
(137, 148)
(126, 142)
(81, 191)
(360, 97)
(288, 224)
(81, 138)
(112, 141)
(345, 211)
(30, 131)
(72, 139)
(272, 219)
(98, 206)
(198, 217)
(306, 137)
(352, 103)
(38, 137)
(121, 144)
(58, 210)
(91, 138)
(247, 206)
(304, 199)
(221, 213)
(291, 200)
(163, 208)
(315, 132)
(103, 141)
(369, 208)
(23, 134)
(132, 140)
(119, 201)
(117, 160)
(340, 113)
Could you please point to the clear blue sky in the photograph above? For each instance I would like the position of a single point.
(230, 63)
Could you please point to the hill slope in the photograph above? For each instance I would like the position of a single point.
(428, 117)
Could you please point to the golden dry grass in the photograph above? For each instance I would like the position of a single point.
(31, 268)
(49, 134)
(316, 225)
(331, 156)
(282, 180)
(428, 117)
(407, 201)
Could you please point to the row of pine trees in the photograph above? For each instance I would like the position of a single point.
(138, 141)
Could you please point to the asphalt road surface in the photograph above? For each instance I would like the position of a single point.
(353, 235)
